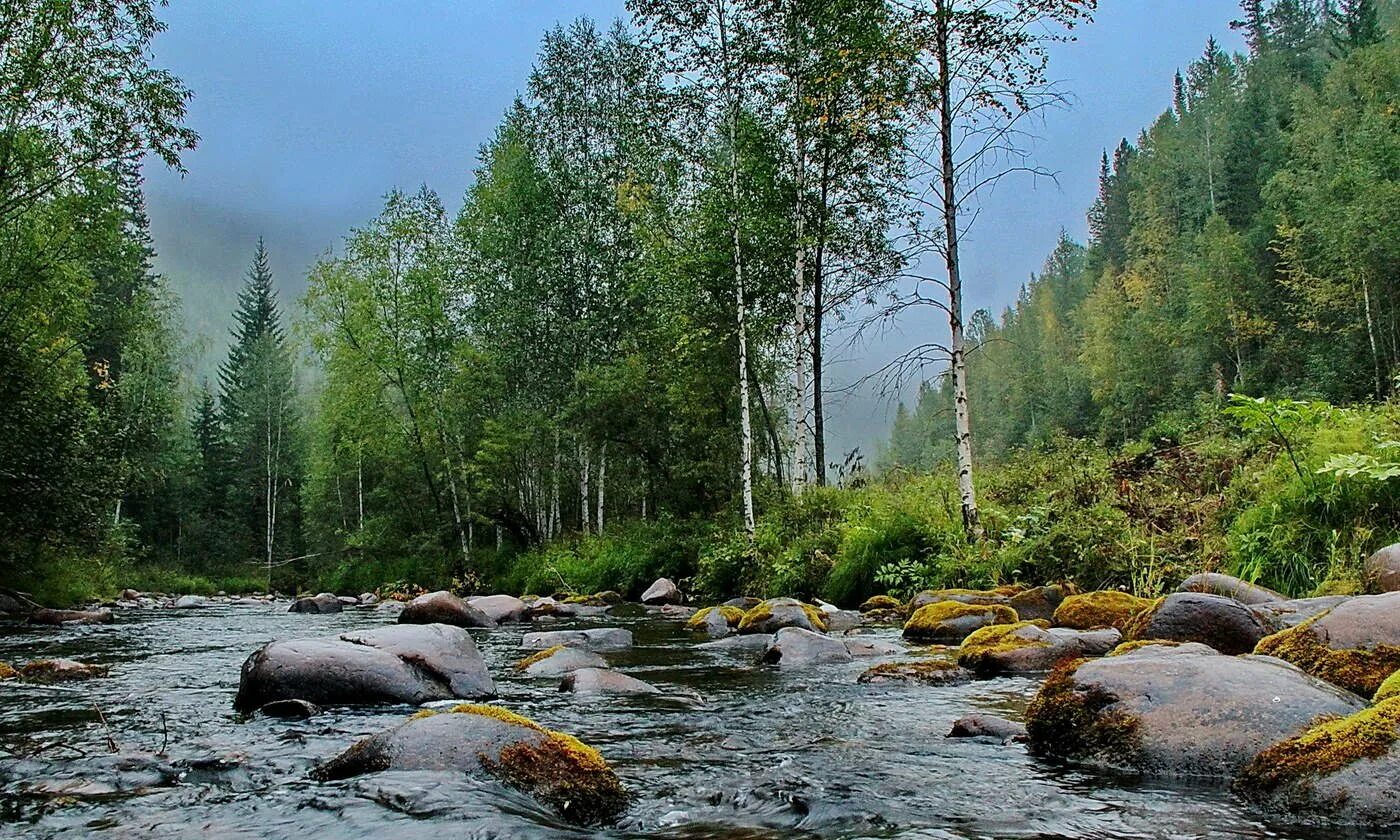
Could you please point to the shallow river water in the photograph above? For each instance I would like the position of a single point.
(731, 750)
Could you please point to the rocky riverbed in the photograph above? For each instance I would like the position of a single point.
(624, 720)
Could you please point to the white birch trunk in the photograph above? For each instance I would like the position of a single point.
(801, 344)
(602, 482)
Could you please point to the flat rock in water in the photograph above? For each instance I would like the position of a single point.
(861, 647)
(932, 671)
(740, 645)
(562, 660)
(443, 607)
(663, 591)
(1215, 620)
(988, 726)
(1214, 583)
(1176, 711)
(501, 608)
(445, 652)
(60, 670)
(317, 604)
(1383, 569)
(487, 742)
(54, 617)
(603, 681)
(601, 639)
(794, 647)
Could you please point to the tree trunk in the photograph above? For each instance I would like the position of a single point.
(818, 281)
(1371, 335)
(801, 340)
(963, 422)
(583, 491)
(602, 482)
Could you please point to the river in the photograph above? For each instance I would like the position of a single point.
(731, 750)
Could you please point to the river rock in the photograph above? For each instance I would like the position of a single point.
(751, 644)
(1339, 771)
(603, 681)
(1280, 615)
(988, 726)
(597, 639)
(490, 742)
(190, 602)
(744, 603)
(1176, 711)
(395, 664)
(559, 660)
(1214, 583)
(101, 777)
(928, 671)
(1104, 608)
(1026, 647)
(1222, 623)
(1039, 602)
(839, 621)
(45, 616)
(289, 709)
(317, 604)
(500, 608)
(880, 603)
(949, 622)
(776, 613)
(443, 607)
(715, 622)
(864, 647)
(368, 599)
(662, 592)
(794, 647)
(962, 596)
(1383, 569)
(676, 612)
(129, 595)
(60, 670)
(1356, 644)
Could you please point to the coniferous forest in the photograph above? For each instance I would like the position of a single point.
(608, 366)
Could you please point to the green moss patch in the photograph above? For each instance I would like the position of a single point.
(979, 648)
(1138, 644)
(928, 621)
(1355, 669)
(1390, 688)
(763, 612)
(880, 602)
(1069, 722)
(1105, 608)
(1328, 746)
(537, 657)
(732, 617)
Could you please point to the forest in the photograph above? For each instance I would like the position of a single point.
(609, 365)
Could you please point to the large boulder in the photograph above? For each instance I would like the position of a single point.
(1223, 623)
(1176, 711)
(1214, 583)
(1026, 647)
(54, 617)
(603, 681)
(599, 639)
(1355, 645)
(794, 647)
(776, 613)
(752, 644)
(397, 664)
(1338, 771)
(949, 622)
(1105, 608)
(442, 607)
(190, 602)
(558, 661)
(662, 592)
(1280, 615)
(500, 608)
(1040, 602)
(715, 622)
(1383, 569)
(490, 742)
(326, 602)
(880, 603)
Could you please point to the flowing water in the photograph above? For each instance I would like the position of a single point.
(730, 750)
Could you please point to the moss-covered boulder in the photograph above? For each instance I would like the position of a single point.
(559, 660)
(7, 672)
(1390, 688)
(1029, 646)
(1214, 583)
(60, 670)
(443, 607)
(927, 671)
(880, 602)
(1104, 608)
(794, 647)
(1382, 570)
(606, 598)
(744, 602)
(1355, 645)
(776, 613)
(1343, 770)
(716, 622)
(1222, 623)
(949, 622)
(1281, 615)
(488, 741)
(1040, 602)
(1176, 711)
(1139, 644)
(984, 597)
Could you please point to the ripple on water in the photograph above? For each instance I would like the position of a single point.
(731, 750)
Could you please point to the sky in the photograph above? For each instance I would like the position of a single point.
(309, 111)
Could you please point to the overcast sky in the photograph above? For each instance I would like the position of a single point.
(310, 110)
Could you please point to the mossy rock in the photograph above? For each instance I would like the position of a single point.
(1340, 770)
(880, 602)
(1355, 645)
(6, 672)
(1390, 688)
(1104, 608)
(953, 621)
(934, 671)
(533, 658)
(557, 769)
(1139, 644)
(983, 597)
(606, 598)
(1029, 646)
(776, 613)
(559, 660)
(1040, 602)
(732, 617)
(60, 670)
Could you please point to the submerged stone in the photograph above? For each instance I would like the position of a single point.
(55, 617)
(604, 681)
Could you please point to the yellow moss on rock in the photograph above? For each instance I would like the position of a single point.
(1328, 746)
(880, 602)
(732, 617)
(764, 612)
(1389, 688)
(1356, 669)
(1069, 721)
(537, 657)
(997, 639)
(1105, 608)
(6, 672)
(1137, 644)
(928, 620)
